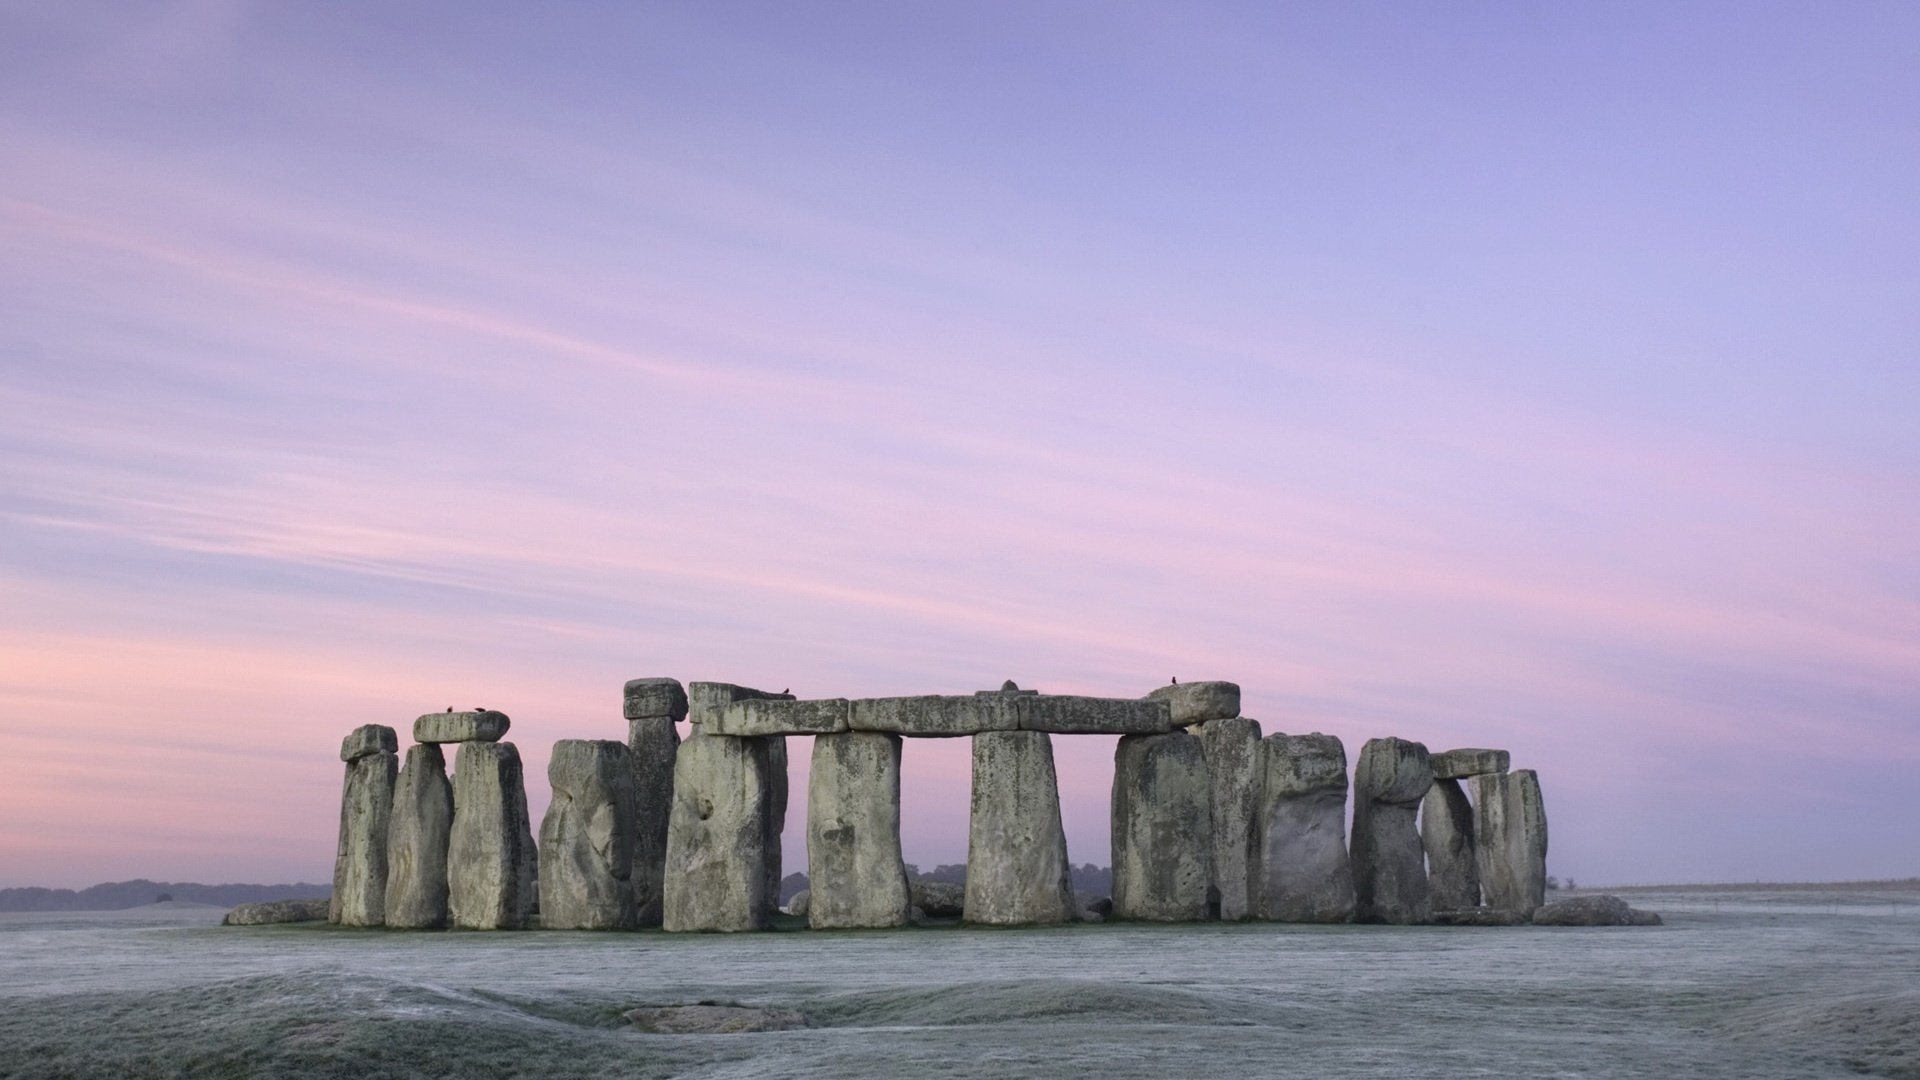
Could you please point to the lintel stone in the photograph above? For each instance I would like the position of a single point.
(707, 701)
(1197, 702)
(939, 715)
(644, 699)
(780, 716)
(1460, 764)
(368, 740)
(480, 725)
(1066, 714)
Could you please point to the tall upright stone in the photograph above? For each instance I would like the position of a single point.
(1235, 774)
(366, 805)
(1510, 840)
(652, 707)
(1446, 832)
(1162, 828)
(1389, 862)
(417, 839)
(716, 872)
(492, 867)
(1305, 875)
(776, 816)
(587, 838)
(854, 868)
(1017, 869)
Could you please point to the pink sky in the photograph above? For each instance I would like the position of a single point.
(357, 363)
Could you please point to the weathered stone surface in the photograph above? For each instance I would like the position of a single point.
(780, 716)
(1065, 714)
(1198, 702)
(776, 816)
(653, 743)
(801, 903)
(366, 805)
(854, 868)
(1477, 916)
(1304, 872)
(276, 911)
(1235, 772)
(708, 701)
(717, 875)
(484, 725)
(1446, 832)
(417, 837)
(492, 866)
(938, 715)
(1510, 840)
(1017, 869)
(1099, 905)
(368, 740)
(938, 899)
(1596, 910)
(1460, 764)
(647, 699)
(586, 839)
(1162, 828)
(1389, 861)
(711, 1018)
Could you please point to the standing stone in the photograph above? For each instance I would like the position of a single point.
(653, 744)
(643, 698)
(776, 817)
(1446, 831)
(854, 868)
(366, 806)
(586, 839)
(1017, 869)
(492, 870)
(1304, 873)
(1197, 702)
(1162, 828)
(1389, 862)
(417, 841)
(717, 874)
(1234, 775)
(1510, 840)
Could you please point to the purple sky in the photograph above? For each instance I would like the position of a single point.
(1533, 376)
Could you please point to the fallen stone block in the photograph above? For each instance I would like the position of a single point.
(1460, 764)
(1596, 910)
(1510, 840)
(710, 1018)
(1304, 874)
(1389, 860)
(368, 740)
(417, 837)
(1162, 829)
(586, 838)
(717, 838)
(938, 715)
(1446, 832)
(653, 743)
(801, 903)
(458, 727)
(780, 716)
(492, 864)
(707, 701)
(1017, 869)
(1197, 702)
(273, 912)
(938, 899)
(854, 869)
(366, 806)
(1235, 771)
(646, 699)
(1066, 714)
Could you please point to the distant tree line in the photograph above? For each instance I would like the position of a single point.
(119, 895)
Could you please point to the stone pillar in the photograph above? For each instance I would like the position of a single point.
(854, 869)
(1446, 832)
(716, 870)
(586, 839)
(1162, 828)
(492, 867)
(1017, 869)
(1304, 874)
(1510, 840)
(1389, 863)
(417, 841)
(1234, 775)
(776, 816)
(366, 805)
(652, 708)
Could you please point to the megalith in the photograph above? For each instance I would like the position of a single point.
(366, 806)
(776, 816)
(417, 838)
(717, 874)
(1198, 702)
(854, 869)
(652, 707)
(1389, 862)
(1304, 872)
(587, 837)
(1162, 828)
(1234, 777)
(1446, 832)
(492, 868)
(1510, 840)
(1017, 869)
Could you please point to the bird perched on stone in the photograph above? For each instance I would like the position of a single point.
(788, 690)
(1173, 682)
(449, 708)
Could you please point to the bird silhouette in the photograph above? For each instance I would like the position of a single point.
(1174, 682)
(449, 708)
(788, 690)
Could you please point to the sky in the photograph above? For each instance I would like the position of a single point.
(1533, 376)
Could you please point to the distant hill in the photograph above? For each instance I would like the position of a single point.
(118, 895)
